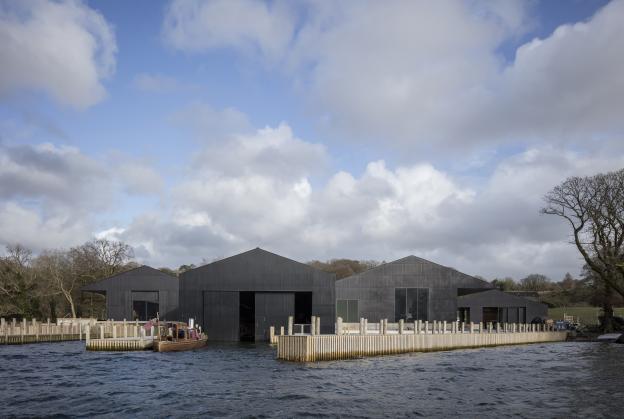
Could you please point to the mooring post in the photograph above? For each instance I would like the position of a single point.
(454, 327)
(271, 334)
(88, 335)
(318, 325)
(444, 327)
(102, 331)
(339, 326)
(281, 330)
(114, 332)
(152, 332)
(400, 326)
(290, 325)
(361, 325)
(471, 327)
(416, 326)
(426, 326)
(313, 326)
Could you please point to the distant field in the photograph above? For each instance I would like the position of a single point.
(587, 315)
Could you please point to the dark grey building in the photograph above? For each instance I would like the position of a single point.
(139, 294)
(410, 288)
(240, 297)
(498, 306)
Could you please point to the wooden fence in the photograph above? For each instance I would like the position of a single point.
(34, 331)
(353, 340)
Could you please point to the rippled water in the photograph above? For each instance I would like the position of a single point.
(541, 380)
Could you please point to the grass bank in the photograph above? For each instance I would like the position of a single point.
(587, 315)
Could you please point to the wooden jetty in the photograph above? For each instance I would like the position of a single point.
(355, 340)
(98, 335)
(33, 331)
(119, 336)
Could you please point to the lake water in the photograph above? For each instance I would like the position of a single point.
(534, 381)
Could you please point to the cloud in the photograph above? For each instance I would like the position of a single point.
(258, 28)
(283, 203)
(208, 124)
(431, 75)
(233, 199)
(55, 176)
(56, 196)
(139, 178)
(65, 49)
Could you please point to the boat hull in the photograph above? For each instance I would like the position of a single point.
(183, 345)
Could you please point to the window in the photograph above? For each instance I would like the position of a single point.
(348, 310)
(512, 314)
(463, 314)
(411, 304)
(144, 305)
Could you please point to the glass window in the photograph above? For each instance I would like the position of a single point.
(348, 310)
(144, 305)
(399, 303)
(411, 304)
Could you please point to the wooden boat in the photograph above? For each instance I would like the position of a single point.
(179, 345)
(178, 336)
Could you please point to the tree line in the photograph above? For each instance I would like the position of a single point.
(48, 285)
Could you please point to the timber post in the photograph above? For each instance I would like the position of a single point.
(318, 325)
(401, 327)
(313, 326)
(290, 325)
(339, 326)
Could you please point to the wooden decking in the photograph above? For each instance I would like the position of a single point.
(387, 339)
(33, 331)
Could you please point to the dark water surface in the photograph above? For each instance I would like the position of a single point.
(534, 381)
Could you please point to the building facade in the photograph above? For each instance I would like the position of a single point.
(240, 297)
(498, 306)
(410, 288)
(139, 294)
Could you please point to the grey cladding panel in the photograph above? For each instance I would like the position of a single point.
(272, 309)
(220, 320)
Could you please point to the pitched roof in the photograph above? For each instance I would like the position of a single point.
(140, 270)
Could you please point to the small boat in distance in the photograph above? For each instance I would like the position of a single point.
(178, 336)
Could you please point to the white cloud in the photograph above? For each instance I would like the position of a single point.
(491, 229)
(212, 125)
(139, 178)
(252, 26)
(431, 74)
(384, 213)
(65, 49)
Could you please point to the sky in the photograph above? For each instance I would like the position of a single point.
(194, 130)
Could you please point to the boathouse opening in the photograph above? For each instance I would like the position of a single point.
(258, 311)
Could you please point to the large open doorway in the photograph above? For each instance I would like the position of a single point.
(247, 317)
(258, 311)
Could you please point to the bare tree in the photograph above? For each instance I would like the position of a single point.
(594, 209)
(57, 268)
(18, 282)
(103, 257)
(535, 282)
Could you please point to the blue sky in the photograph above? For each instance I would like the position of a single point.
(196, 129)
